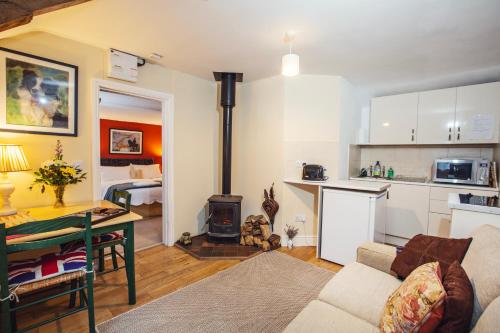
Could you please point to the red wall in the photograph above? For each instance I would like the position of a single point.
(151, 138)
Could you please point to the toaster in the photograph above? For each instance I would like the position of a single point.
(313, 172)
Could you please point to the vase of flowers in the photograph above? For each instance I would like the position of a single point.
(58, 174)
(291, 232)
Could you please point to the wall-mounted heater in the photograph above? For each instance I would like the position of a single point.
(123, 65)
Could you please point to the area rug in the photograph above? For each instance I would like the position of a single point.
(261, 294)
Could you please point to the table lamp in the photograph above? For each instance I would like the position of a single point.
(12, 159)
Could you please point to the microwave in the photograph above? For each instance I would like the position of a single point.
(472, 171)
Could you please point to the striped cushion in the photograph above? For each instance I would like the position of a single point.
(48, 266)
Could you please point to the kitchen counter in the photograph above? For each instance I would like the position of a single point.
(352, 185)
(454, 203)
(427, 183)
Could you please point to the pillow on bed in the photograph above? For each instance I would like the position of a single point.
(146, 171)
(109, 173)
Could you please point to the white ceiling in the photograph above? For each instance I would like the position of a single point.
(112, 99)
(380, 45)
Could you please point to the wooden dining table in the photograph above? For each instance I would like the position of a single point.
(123, 223)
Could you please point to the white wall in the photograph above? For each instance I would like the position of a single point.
(279, 121)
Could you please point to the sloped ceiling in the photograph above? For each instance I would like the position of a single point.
(383, 46)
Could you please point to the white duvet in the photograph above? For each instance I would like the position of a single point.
(140, 196)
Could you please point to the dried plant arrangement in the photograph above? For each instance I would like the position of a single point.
(291, 231)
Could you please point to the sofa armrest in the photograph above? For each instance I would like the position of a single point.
(376, 255)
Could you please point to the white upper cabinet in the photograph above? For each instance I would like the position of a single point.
(436, 116)
(393, 119)
(478, 113)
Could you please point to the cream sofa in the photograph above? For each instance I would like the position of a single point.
(353, 300)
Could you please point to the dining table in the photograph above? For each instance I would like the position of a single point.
(124, 223)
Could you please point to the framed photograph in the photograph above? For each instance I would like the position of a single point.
(37, 95)
(125, 142)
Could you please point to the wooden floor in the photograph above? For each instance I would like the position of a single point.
(159, 271)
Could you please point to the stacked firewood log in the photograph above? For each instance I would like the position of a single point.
(257, 232)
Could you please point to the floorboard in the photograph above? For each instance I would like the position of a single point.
(160, 270)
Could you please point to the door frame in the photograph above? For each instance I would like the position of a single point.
(167, 110)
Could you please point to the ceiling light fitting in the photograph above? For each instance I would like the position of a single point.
(290, 61)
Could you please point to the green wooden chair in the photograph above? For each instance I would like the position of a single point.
(81, 280)
(122, 199)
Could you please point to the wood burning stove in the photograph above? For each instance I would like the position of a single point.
(224, 211)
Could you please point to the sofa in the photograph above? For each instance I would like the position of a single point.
(354, 299)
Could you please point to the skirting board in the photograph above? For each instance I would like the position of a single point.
(307, 240)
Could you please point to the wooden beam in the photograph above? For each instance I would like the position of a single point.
(14, 13)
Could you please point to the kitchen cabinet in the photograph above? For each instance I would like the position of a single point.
(393, 119)
(436, 116)
(407, 210)
(478, 113)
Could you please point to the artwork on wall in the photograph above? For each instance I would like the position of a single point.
(37, 95)
(125, 142)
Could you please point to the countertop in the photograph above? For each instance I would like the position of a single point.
(428, 183)
(454, 203)
(353, 185)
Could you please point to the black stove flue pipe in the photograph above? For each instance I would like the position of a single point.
(227, 101)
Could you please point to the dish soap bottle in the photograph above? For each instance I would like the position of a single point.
(390, 173)
(376, 169)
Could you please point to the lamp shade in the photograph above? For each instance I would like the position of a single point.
(290, 64)
(12, 158)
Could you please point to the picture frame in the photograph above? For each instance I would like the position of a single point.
(37, 95)
(123, 141)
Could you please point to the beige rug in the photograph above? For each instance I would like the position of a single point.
(261, 294)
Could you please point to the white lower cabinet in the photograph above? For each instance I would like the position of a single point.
(407, 210)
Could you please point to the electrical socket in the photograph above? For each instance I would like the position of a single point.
(300, 218)
(298, 163)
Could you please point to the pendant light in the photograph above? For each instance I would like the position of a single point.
(290, 61)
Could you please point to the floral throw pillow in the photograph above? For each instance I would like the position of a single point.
(417, 305)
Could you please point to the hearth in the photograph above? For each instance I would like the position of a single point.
(224, 211)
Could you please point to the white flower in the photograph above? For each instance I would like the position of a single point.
(47, 163)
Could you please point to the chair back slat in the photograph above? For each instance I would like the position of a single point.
(44, 243)
(122, 199)
(38, 227)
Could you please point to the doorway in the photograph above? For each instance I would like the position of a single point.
(133, 150)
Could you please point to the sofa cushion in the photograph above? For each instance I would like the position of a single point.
(458, 302)
(422, 249)
(417, 305)
(482, 265)
(360, 290)
(490, 319)
(320, 317)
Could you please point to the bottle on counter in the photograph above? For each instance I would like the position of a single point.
(390, 173)
(376, 169)
(383, 171)
(370, 171)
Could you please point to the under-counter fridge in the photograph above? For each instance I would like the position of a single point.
(348, 219)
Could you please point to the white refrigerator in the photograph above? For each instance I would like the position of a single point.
(350, 218)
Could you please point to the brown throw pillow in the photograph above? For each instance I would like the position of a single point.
(422, 249)
(459, 301)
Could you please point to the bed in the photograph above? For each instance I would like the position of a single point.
(141, 177)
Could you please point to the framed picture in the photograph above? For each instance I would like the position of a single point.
(125, 142)
(37, 95)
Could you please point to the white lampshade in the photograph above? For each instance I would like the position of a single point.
(290, 64)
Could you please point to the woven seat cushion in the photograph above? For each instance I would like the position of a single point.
(47, 266)
(104, 238)
(26, 288)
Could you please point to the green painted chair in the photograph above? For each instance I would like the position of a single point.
(110, 240)
(81, 280)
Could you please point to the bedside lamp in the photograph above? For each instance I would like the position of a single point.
(12, 159)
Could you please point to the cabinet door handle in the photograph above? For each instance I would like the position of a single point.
(387, 195)
(458, 137)
(458, 129)
(449, 129)
(449, 137)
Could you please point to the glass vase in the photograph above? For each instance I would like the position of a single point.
(59, 193)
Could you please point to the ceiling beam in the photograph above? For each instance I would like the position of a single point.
(14, 13)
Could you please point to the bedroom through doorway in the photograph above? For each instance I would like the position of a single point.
(130, 131)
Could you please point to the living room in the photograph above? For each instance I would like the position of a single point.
(307, 147)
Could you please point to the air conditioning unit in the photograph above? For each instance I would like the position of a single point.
(122, 66)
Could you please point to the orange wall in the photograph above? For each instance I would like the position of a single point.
(151, 138)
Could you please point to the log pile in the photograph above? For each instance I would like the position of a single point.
(257, 232)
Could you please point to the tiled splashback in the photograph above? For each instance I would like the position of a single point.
(409, 161)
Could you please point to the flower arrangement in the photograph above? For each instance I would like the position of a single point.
(291, 232)
(58, 174)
